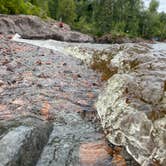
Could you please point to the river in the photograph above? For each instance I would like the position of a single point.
(61, 46)
(159, 46)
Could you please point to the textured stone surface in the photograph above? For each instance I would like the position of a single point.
(32, 27)
(22, 141)
(68, 135)
(94, 153)
(132, 106)
(108, 61)
(10, 145)
(52, 87)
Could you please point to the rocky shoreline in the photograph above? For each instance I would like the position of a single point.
(51, 94)
(132, 106)
(138, 91)
(119, 39)
(33, 27)
(47, 114)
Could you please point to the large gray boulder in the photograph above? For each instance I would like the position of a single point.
(22, 140)
(132, 106)
(33, 27)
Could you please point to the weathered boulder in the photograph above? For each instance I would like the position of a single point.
(33, 27)
(22, 140)
(132, 106)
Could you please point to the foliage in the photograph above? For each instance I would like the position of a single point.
(154, 4)
(97, 17)
(20, 7)
(66, 10)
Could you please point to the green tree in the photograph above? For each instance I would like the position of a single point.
(97, 16)
(153, 6)
(53, 8)
(66, 11)
(20, 7)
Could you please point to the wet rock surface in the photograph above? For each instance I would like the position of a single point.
(47, 113)
(32, 27)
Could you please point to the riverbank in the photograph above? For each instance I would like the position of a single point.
(135, 88)
(33, 27)
(132, 105)
(120, 39)
(48, 97)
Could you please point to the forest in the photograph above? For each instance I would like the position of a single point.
(97, 17)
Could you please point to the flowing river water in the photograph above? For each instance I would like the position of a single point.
(159, 46)
(59, 46)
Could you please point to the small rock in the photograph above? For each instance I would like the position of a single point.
(1, 83)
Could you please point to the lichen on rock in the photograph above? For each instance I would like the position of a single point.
(132, 106)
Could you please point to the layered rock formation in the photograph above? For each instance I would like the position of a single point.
(32, 27)
(47, 116)
(132, 106)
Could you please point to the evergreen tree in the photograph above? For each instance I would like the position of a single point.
(53, 8)
(97, 16)
(153, 6)
(66, 11)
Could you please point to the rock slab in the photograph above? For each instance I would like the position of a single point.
(132, 106)
(23, 142)
(33, 27)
